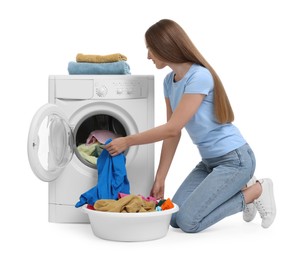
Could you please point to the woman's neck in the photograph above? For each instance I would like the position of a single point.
(180, 69)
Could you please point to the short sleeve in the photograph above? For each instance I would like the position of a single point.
(200, 82)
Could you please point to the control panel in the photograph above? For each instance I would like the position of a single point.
(120, 89)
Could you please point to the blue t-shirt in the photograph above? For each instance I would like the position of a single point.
(212, 138)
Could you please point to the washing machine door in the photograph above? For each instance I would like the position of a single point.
(50, 142)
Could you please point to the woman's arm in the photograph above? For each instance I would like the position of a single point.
(167, 153)
(185, 110)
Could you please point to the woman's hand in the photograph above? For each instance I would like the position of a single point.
(117, 146)
(158, 189)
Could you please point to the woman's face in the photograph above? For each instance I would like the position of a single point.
(158, 63)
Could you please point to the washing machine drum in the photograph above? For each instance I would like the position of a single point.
(92, 132)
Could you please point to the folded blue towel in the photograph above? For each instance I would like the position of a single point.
(112, 179)
(87, 68)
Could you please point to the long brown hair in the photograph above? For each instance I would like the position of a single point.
(169, 42)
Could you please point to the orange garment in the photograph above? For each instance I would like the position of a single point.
(167, 205)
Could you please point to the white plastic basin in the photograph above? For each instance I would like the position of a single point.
(130, 226)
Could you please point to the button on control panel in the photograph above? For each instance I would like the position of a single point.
(101, 91)
(120, 89)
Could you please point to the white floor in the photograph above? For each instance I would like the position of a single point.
(27, 234)
(231, 239)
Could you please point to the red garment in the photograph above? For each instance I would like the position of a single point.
(90, 207)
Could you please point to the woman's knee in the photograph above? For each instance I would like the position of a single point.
(186, 222)
(173, 221)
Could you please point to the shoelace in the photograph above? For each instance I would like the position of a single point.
(247, 209)
(261, 209)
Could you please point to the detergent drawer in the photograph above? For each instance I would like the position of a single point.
(74, 88)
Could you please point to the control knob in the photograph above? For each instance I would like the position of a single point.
(101, 91)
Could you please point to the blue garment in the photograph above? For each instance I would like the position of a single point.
(112, 179)
(212, 191)
(212, 138)
(87, 68)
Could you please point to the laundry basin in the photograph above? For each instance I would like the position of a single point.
(130, 226)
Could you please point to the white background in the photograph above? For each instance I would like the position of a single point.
(258, 50)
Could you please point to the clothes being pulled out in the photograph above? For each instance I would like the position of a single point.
(101, 136)
(93, 147)
(100, 58)
(128, 204)
(86, 68)
(90, 152)
(112, 179)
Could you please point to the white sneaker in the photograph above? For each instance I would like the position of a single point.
(265, 204)
(250, 210)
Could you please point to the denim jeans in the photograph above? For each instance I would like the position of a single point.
(212, 191)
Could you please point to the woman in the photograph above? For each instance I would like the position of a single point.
(222, 184)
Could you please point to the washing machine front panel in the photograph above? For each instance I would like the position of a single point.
(126, 99)
(50, 143)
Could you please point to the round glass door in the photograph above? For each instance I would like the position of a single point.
(50, 143)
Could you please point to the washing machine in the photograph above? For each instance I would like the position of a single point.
(77, 106)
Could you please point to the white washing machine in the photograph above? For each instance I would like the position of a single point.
(78, 105)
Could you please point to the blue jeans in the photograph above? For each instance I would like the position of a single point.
(212, 191)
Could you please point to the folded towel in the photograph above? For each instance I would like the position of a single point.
(100, 58)
(86, 68)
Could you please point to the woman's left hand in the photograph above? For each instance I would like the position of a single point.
(117, 146)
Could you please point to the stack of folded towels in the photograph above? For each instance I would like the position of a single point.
(89, 64)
